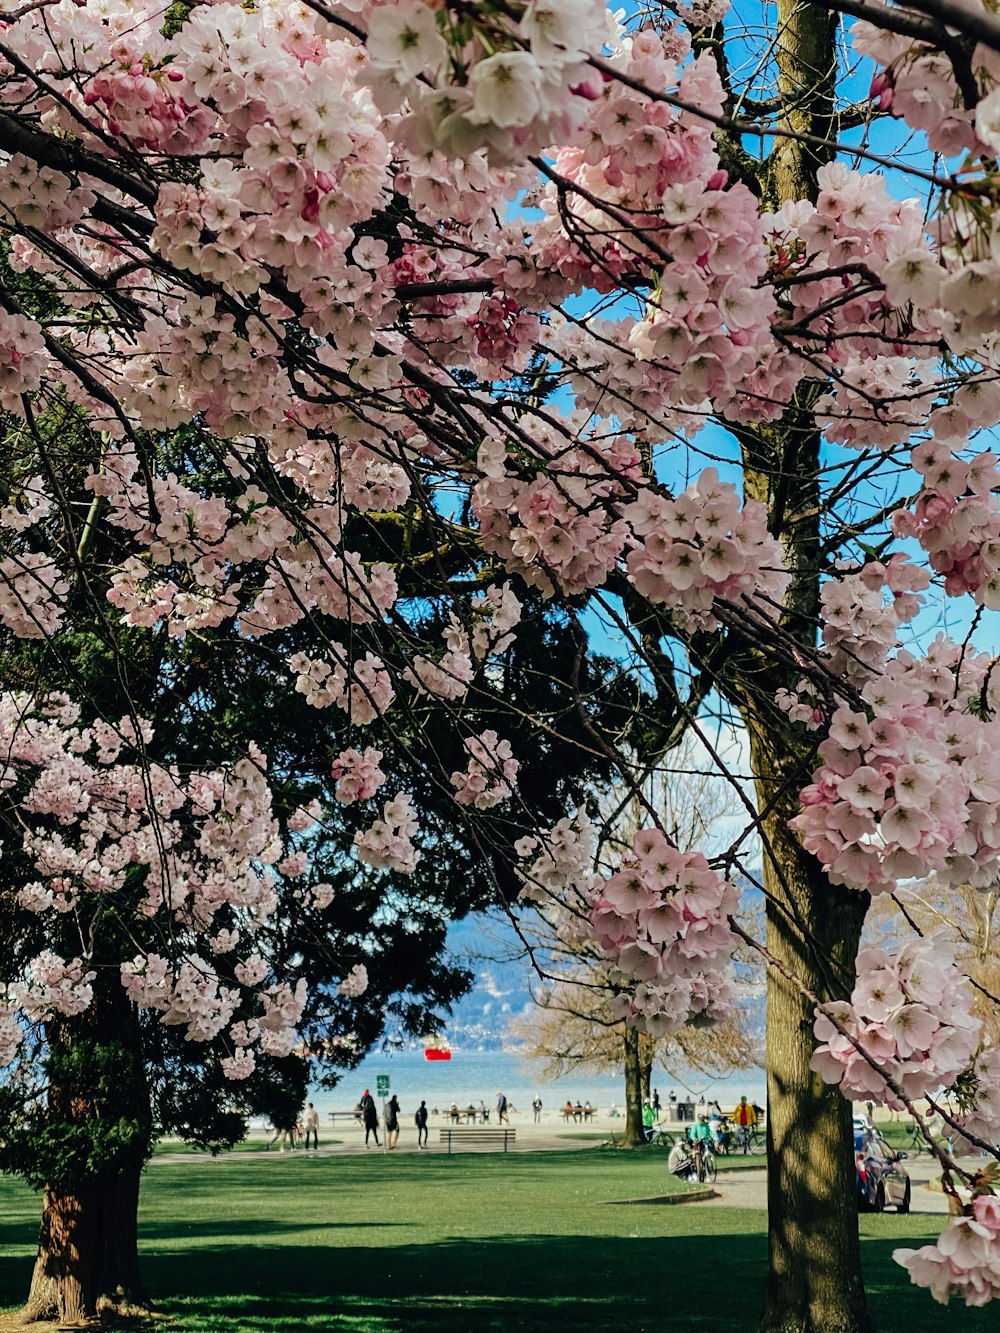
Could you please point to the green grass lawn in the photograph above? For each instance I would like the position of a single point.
(479, 1242)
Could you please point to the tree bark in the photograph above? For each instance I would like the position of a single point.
(634, 1135)
(96, 1130)
(88, 1261)
(646, 1051)
(814, 1282)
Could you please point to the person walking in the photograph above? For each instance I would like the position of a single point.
(502, 1118)
(392, 1123)
(420, 1120)
(311, 1122)
(283, 1135)
(536, 1107)
(369, 1113)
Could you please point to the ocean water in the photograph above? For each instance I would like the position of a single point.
(471, 1076)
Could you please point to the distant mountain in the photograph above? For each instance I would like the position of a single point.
(489, 947)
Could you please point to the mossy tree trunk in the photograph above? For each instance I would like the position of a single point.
(93, 1138)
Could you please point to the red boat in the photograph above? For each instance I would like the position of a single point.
(437, 1053)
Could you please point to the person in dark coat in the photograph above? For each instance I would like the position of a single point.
(420, 1120)
(392, 1123)
(369, 1113)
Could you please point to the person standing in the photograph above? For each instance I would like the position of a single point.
(656, 1102)
(420, 1120)
(648, 1120)
(392, 1123)
(311, 1122)
(745, 1117)
(536, 1107)
(502, 1118)
(369, 1113)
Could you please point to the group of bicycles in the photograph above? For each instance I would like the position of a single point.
(696, 1160)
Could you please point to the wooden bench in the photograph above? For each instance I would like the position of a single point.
(344, 1115)
(476, 1137)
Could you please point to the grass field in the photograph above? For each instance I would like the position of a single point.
(454, 1245)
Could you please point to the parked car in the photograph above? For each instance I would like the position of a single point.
(882, 1181)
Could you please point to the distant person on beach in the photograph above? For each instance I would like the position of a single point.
(392, 1123)
(420, 1120)
(370, 1115)
(311, 1122)
(656, 1102)
(502, 1117)
(567, 1111)
(536, 1107)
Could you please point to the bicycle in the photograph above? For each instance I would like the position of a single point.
(916, 1143)
(705, 1164)
(660, 1138)
(750, 1140)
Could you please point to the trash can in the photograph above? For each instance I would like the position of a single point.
(685, 1110)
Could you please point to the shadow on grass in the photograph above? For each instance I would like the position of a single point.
(266, 1281)
(705, 1284)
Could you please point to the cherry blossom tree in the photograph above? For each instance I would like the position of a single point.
(475, 315)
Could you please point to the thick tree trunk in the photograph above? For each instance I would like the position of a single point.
(634, 1136)
(95, 1132)
(88, 1262)
(814, 1280)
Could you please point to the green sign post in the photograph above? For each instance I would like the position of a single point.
(382, 1087)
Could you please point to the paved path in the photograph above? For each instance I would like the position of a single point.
(748, 1189)
(736, 1188)
(550, 1137)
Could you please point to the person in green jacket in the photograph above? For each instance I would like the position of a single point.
(648, 1120)
(701, 1131)
(700, 1135)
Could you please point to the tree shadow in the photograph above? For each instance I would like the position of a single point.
(259, 1280)
(699, 1283)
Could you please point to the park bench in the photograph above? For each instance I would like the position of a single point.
(470, 1136)
(344, 1115)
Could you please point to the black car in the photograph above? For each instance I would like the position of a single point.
(881, 1179)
